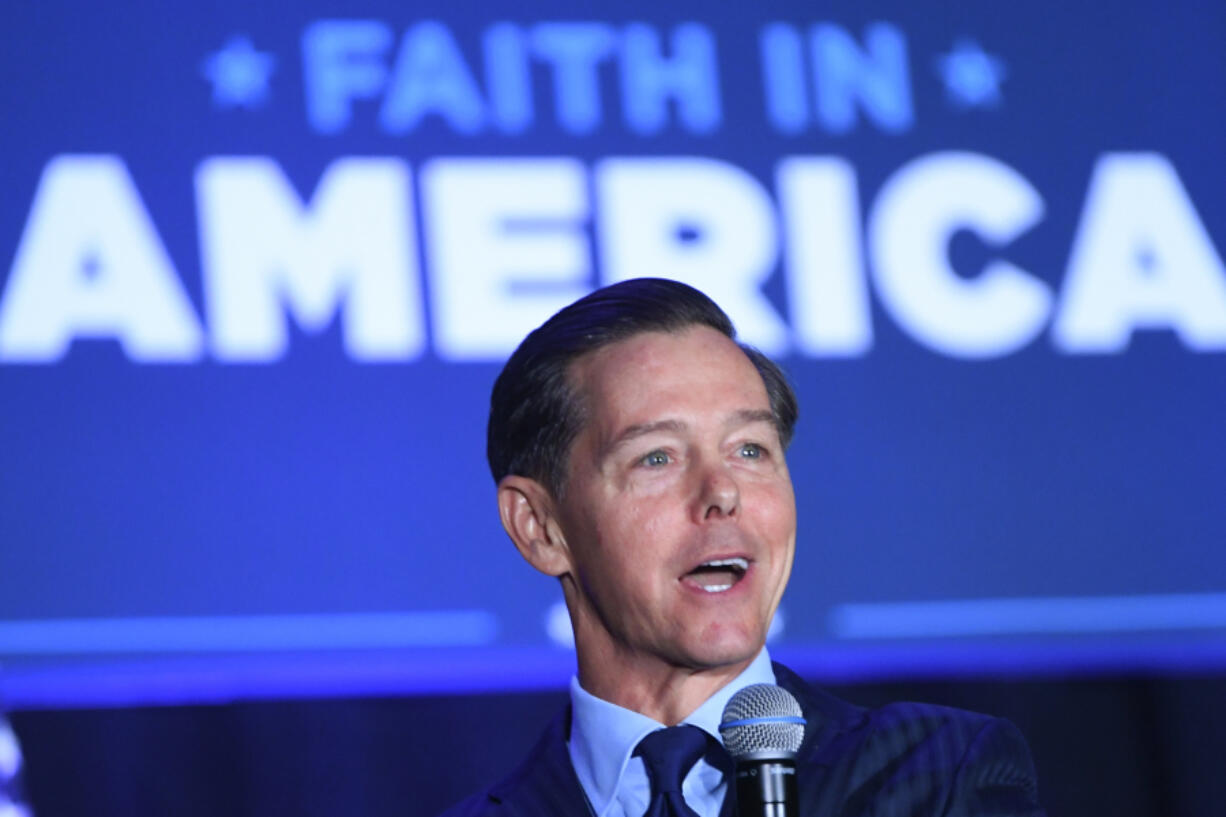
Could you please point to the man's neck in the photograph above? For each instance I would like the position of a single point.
(664, 693)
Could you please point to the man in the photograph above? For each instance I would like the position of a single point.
(639, 455)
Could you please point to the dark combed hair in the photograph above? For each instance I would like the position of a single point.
(535, 413)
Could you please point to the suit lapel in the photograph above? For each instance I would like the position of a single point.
(826, 718)
(545, 783)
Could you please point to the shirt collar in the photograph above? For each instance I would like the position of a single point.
(708, 716)
(603, 735)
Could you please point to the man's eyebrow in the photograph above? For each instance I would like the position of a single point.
(743, 417)
(642, 429)
(747, 416)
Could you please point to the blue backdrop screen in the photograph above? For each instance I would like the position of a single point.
(258, 270)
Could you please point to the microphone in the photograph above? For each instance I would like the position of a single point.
(762, 728)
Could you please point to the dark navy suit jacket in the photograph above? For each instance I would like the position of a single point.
(897, 761)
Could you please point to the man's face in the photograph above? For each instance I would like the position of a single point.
(678, 510)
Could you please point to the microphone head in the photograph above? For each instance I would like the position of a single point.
(762, 721)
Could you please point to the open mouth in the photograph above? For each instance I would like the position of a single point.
(718, 575)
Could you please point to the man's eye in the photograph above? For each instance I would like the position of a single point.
(751, 451)
(656, 458)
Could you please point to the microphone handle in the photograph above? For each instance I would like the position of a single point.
(766, 788)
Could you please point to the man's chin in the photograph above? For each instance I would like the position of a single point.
(724, 653)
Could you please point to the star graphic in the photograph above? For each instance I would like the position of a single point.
(972, 76)
(239, 74)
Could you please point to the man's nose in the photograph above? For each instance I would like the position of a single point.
(719, 495)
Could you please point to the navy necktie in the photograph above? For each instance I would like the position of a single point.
(669, 754)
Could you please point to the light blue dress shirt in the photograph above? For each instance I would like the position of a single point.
(603, 737)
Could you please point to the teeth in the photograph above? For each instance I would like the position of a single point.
(716, 588)
(738, 562)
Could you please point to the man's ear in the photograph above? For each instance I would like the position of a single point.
(529, 516)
